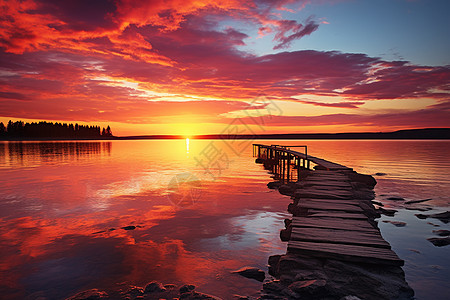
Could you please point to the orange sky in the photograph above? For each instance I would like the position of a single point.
(195, 67)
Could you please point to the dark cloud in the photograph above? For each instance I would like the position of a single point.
(13, 96)
(298, 31)
(80, 15)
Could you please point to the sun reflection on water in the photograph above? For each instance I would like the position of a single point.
(187, 145)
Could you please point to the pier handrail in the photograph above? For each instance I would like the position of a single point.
(286, 148)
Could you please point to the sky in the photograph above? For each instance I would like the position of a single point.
(208, 67)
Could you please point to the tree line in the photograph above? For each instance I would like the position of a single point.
(44, 129)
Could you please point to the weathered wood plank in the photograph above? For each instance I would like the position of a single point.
(327, 189)
(352, 253)
(326, 184)
(326, 235)
(328, 177)
(328, 172)
(330, 206)
(333, 223)
(336, 214)
(316, 193)
(329, 201)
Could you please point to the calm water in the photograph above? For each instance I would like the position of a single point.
(201, 209)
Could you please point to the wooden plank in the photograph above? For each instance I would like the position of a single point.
(333, 223)
(327, 172)
(352, 253)
(328, 176)
(315, 193)
(333, 207)
(332, 189)
(330, 206)
(326, 188)
(325, 184)
(329, 201)
(326, 235)
(333, 174)
(336, 214)
(323, 193)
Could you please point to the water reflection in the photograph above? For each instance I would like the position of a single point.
(63, 215)
(66, 221)
(187, 145)
(26, 153)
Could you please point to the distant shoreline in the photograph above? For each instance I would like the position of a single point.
(411, 134)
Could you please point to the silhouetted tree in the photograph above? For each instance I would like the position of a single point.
(108, 131)
(2, 129)
(51, 130)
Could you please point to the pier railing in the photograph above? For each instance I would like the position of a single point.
(286, 164)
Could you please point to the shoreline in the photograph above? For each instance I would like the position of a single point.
(411, 134)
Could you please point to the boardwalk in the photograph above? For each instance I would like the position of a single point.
(329, 220)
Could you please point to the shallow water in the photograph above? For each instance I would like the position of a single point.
(201, 209)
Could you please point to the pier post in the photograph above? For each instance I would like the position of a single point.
(288, 166)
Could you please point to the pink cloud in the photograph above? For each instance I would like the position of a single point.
(429, 117)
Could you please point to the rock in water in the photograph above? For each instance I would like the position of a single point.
(133, 291)
(395, 223)
(387, 212)
(442, 232)
(440, 242)
(187, 288)
(417, 201)
(305, 288)
(444, 216)
(154, 287)
(92, 294)
(286, 189)
(396, 198)
(253, 273)
(274, 184)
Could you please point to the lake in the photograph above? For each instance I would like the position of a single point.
(77, 215)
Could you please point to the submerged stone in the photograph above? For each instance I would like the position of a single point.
(440, 242)
(187, 288)
(134, 291)
(314, 287)
(253, 273)
(395, 223)
(387, 212)
(443, 216)
(274, 184)
(396, 198)
(92, 294)
(442, 232)
(154, 287)
(417, 201)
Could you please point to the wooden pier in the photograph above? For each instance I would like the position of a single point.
(287, 164)
(330, 220)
